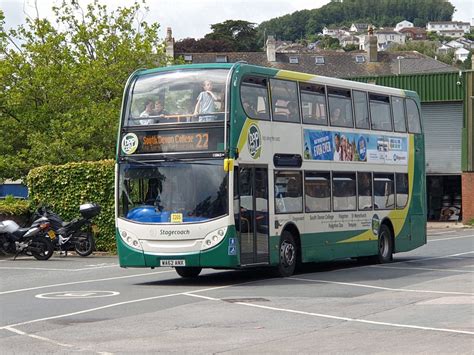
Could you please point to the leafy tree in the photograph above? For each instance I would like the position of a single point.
(61, 83)
(241, 34)
(203, 45)
(377, 12)
(327, 42)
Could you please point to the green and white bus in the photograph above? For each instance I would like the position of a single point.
(231, 166)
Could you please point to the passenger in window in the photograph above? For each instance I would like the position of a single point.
(147, 112)
(249, 109)
(205, 102)
(336, 117)
(158, 109)
(292, 108)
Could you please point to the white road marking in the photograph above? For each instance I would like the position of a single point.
(84, 282)
(89, 310)
(68, 295)
(433, 258)
(438, 233)
(443, 239)
(56, 269)
(382, 288)
(347, 319)
(419, 268)
(37, 337)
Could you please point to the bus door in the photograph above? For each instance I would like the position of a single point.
(253, 215)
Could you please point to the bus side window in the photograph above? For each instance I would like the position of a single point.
(344, 191)
(413, 117)
(398, 110)
(384, 191)
(254, 97)
(313, 102)
(360, 109)
(317, 187)
(364, 189)
(380, 112)
(288, 192)
(284, 100)
(340, 107)
(401, 184)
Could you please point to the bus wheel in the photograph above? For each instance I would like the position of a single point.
(385, 245)
(288, 255)
(188, 272)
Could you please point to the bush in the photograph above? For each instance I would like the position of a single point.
(64, 187)
(11, 206)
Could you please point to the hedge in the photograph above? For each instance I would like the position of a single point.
(10, 206)
(64, 187)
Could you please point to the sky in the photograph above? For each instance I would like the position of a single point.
(192, 18)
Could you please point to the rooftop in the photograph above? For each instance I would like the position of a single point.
(336, 64)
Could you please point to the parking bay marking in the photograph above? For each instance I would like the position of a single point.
(328, 316)
(77, 294)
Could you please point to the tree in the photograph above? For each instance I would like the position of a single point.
(241, 34)
(203, 45)
(61, 83)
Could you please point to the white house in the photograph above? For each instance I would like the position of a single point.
(387, 37)
(359, 27)
(403, 24)
(335, 32)
(448, 26)
(454, 44)
(461, 54)
(444, 49)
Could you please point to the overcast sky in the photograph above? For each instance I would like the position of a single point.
(192, 18)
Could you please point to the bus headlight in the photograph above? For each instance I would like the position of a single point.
(213, 238)
(130, 239)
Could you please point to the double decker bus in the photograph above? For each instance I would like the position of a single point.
(231, 166)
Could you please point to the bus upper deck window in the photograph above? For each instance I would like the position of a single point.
(340, 107)
(313, 104)
(398, 109)
(413, 117)
(380, 112)
(254, 97)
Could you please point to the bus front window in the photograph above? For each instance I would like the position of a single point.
(157, 193)
(178, 96)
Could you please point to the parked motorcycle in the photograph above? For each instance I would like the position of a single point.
(75, 235)
(32, 241)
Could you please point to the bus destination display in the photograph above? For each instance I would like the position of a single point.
(201, 140)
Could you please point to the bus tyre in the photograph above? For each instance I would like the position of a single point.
(188, 272)
(288, 255)
(385, 246)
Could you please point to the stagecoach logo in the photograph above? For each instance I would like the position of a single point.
(254, 141)
(129, 143)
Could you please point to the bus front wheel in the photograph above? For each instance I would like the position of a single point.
(188, 272)
(385, 246)
(288, 255)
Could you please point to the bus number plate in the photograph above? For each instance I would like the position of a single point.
(172, 263)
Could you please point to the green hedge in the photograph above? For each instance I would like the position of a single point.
(11, 206)
(65, 187)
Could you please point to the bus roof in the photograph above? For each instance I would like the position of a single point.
(286, 74)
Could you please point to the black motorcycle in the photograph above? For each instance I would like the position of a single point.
(75, 235)
(31, 241)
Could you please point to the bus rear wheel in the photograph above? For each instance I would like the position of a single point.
(385, 246)
(188, 272)
(288, 252)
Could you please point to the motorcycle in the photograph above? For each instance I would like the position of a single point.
(32, 241)
(75, 235)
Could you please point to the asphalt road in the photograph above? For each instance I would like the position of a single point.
(421, 303)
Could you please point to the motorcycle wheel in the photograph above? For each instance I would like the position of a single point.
(84, 244)
(45, 247)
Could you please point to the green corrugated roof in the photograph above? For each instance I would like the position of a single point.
(430, 87)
